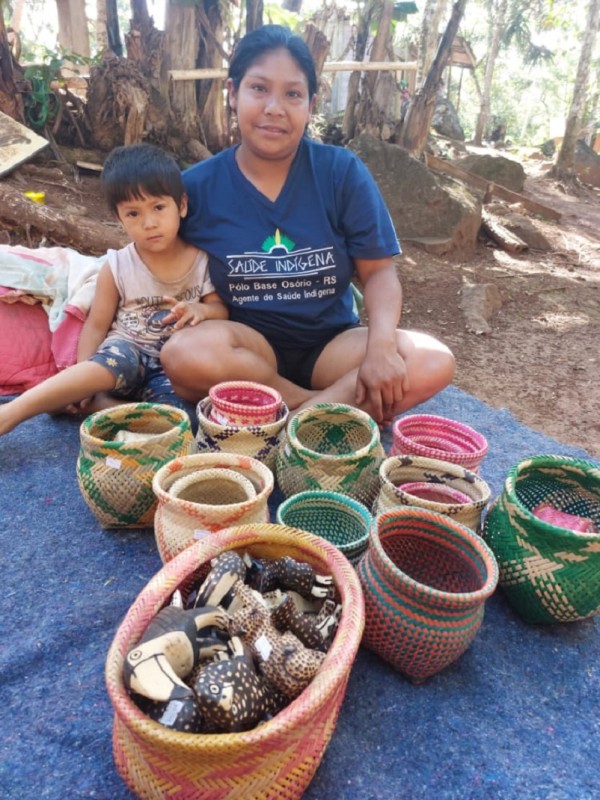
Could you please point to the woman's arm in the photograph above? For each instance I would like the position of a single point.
(382, 377)
(101, 315)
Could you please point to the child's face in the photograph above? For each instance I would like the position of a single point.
(152, 223)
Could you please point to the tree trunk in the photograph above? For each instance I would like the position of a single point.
(564, 169)
(362, 38)
(67, 230)
(254, 14)
(213, 130)
(318, 44)
(378, 88)
(10, 100)
(73, 34)
(101, 26)
(415, 129)
(181, 50)
(432, 16)
(498, 24)
(115, 45)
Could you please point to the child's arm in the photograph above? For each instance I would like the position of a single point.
(101, 315)
(211, 307)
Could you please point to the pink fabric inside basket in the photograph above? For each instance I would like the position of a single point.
(562, 519)
(434, 492)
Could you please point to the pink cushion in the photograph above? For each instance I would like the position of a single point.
(25, 347)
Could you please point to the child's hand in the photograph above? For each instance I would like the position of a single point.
(183, 313)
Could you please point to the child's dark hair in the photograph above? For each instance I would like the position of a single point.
(272, 37)
(135, 170)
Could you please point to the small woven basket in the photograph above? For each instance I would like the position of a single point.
(548, 573)
(115, 477)
(243, 403)
(331, 447)
(336, 517)
(181, 520)
(276, 760)
(440, 438)
(436, 485)
(425, 580)
(258, 441)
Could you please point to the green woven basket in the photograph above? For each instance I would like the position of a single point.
(336, 517)
(331, 447)
(548, 573)
(115, 477)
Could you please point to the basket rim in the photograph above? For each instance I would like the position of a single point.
(353, 411)
(332, 674)
(211, 461)
(477, 544)
(479, 441)
(448, 467)
(159, 410)
(551, 461)
(203, 409)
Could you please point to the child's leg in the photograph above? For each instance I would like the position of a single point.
(69, 386)
(158, 389)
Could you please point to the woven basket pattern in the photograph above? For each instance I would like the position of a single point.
(333, 447)
(548, 573)
(258, 441)
(275, 761)
(397, 471)
(115, 478)
(338, 518)
(179, 522)
(425, 580)
(239, 403)
(440, 438)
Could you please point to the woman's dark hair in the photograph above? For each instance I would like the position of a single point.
(272, 37)
(135, 170)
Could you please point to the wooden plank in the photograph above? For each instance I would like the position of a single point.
(17, 143)
(448, 168)
(331, 66)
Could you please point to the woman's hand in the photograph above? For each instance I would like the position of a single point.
(381, 384)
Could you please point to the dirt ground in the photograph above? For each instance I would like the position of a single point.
(540, 357)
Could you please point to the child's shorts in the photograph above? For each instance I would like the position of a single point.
(139, 376)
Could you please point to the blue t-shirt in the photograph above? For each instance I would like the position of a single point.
(284, 267)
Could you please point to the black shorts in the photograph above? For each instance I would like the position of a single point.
(297, 363)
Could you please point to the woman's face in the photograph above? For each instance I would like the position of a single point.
(272, 105)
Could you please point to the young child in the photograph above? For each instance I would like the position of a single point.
(144, 292)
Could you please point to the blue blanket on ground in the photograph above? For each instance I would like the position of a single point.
(516, 717)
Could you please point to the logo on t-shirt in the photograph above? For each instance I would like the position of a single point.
(278, 259)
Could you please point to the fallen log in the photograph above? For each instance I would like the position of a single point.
(66, 230)
(484, 185)
(501, 235)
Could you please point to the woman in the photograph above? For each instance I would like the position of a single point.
(287, 223)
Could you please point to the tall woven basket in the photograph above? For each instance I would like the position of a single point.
(182, 517)
(333, 447)
(549, 573)
(276, 760)
(115, 477)
(425, 580)
(259, 441)
(436, 485)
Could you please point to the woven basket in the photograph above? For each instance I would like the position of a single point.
(333, 447)
(425, 580)
(440, 438)
(336, 517)
(436, 485)
(243, 403)
(258, 441)
(179, 521)
(276, 760)
(115, 478)
(548, 573)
